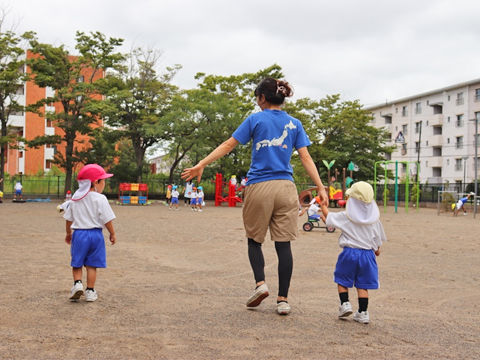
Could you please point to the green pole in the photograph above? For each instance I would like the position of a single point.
(406, 188)
(385, 200)
(396, 186)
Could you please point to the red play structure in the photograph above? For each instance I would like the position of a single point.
(225, 187)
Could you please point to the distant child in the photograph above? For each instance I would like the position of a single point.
(187, 192)
(18, 190)
(175, 195)
(461, 204)
(1, 192)
(361, 238)
(193, 199)
(200, 196)
(68, 195)
(169, 194)
(88, 213)
(313, 208)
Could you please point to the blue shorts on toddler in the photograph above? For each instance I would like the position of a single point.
(193, 202)
(174, 200)
(88, 248)
(357, 267)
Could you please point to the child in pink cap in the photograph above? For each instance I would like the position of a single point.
(87, 214)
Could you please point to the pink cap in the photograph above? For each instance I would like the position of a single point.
(92, 172)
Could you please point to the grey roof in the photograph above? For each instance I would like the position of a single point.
(428, 93)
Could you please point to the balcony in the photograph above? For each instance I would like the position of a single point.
(435, 140)
(458, 167)
(435, 161)
(435, 120)
(459, 145)
(459, 101)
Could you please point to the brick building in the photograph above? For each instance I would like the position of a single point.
(30, 125)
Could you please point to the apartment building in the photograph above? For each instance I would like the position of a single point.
(438, 131)
(29, 125)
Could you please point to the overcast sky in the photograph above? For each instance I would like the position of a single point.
(371, 50)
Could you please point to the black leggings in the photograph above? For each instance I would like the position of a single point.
(285, 264)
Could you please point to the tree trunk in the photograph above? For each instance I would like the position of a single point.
(2, 154)
(69, 162)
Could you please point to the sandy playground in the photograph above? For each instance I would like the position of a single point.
(177, 283)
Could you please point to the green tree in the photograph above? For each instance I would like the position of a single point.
(138, 99)
(340, 131)
(12, 76)
(75, 80)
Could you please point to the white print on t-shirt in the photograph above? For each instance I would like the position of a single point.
(276, 141)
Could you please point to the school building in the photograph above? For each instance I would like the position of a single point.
(438, 129)
(29, 125)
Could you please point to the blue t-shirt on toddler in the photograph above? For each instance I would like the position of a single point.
(275, 135)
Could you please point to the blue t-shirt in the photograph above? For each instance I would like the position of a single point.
(274, 135)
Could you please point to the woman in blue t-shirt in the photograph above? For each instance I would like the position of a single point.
(270, 196)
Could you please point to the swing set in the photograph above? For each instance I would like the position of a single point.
(385, 163)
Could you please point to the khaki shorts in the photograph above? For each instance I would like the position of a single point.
(271, 204)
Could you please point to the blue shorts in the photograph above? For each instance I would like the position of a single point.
(18, 192)
(193, 201)
(357, 267)
(174, 200)
(314, 217)
(88, 248)
(199, 200)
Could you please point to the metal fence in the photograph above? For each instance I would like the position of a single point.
(54, 187)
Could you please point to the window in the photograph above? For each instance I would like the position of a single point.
(448, 119)
(459, 142)
(20, 154)
(405, 129)
(458, 165)
(20, 90)
(48, 164)
(388, 120)
(418, 108)
(477, 94)
(428, 102)
(404, 168)
(448, 161)
(478, 140)
(418, 126)
(459, 121)
(49, 123)
(459, 100)
(81, 79)
(404, 111)
(404, 149)
(426, 142)
(448, 140)
(417, 147)
(448, 97)
(426, 163)
(396, 110)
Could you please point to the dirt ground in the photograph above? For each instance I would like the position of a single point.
(177, 283)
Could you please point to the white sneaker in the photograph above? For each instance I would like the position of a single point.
(464, 214)
(200, 210)
(170, 209)
(362, 317)
(345, 310)
(176, 209)
(90, 295)
(76, 291)
(258, 295)
(283, 308)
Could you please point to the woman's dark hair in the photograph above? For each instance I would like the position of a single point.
(275, 91)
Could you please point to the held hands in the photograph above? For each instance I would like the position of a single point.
(323, 195)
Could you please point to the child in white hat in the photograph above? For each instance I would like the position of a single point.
(87, 214)
(361, 238)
